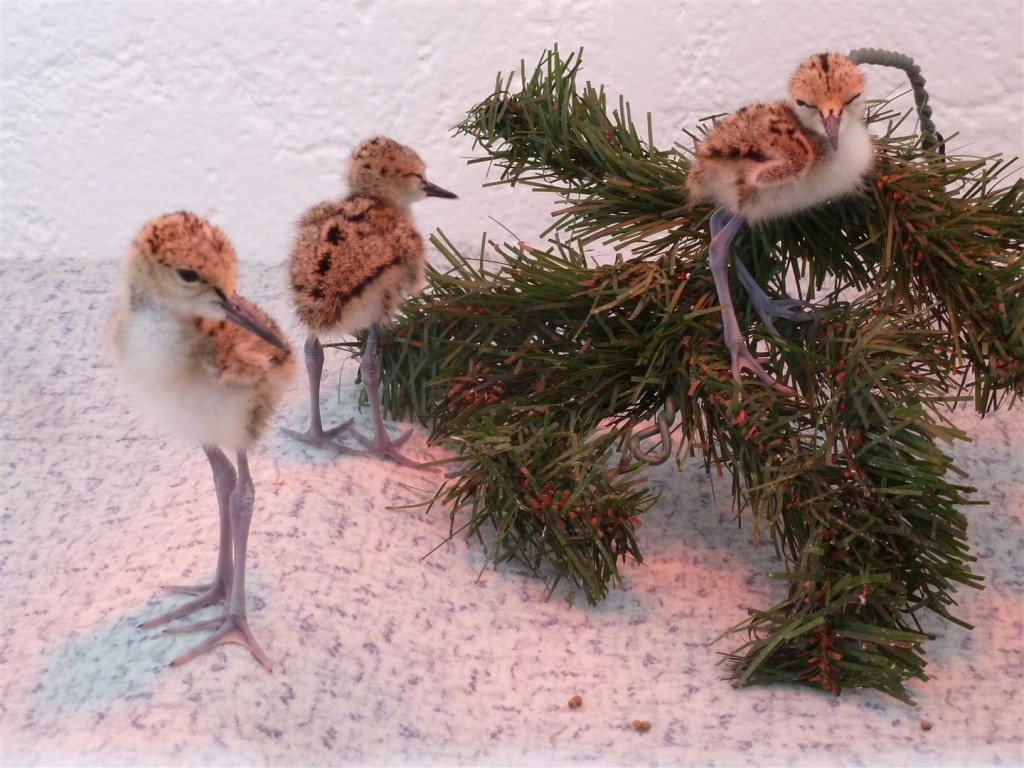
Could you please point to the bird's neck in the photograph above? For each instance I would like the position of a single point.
(139, 300)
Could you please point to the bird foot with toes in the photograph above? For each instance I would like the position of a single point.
(206, 595)
(771, 160)
(382, 445)
(768, 308)
(786, 308)
(353, 263)
(211, 366)
(323, 438)
(231, 629)
(743, 358)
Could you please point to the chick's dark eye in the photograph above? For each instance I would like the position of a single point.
(802, 103)
(851, 99)
(188, 275)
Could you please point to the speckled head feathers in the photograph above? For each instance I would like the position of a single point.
(383, 168)
(202, 360)
(186, 245)
(772, 159)
(826, 74)
(824, 88)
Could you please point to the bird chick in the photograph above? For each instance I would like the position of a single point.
(352, 264)
(210, 366)
(766, 161)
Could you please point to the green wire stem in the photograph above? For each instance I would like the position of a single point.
(930, 138)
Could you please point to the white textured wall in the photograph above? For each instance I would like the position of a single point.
(244, 112)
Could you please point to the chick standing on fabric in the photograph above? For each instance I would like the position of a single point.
(208, 365)
(353, 262)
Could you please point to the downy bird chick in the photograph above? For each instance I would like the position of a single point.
(208, 365)
(771, 160)
(353, 262)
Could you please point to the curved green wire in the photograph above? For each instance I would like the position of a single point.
(663, 428)
(930, 138)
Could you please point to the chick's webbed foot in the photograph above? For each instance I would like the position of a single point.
(316, 435)
(206, 595)
(230, 629)
(768, 308)
(224, 480)
(235, 496)
(724, 227)
(743, 358)
(319, 437)
(381, 444)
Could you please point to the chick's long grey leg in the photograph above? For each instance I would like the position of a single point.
(233, 626)
(316, 434)
(224, 479)
(766, 307)
(382, 444)
(724, 227)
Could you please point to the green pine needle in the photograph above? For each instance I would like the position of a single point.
(558, 381)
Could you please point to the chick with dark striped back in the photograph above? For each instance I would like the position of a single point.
(353, 263)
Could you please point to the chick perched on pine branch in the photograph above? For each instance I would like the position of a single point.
(353, 263)
(766, 161)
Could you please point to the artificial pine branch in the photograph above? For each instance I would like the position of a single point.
(537, 367)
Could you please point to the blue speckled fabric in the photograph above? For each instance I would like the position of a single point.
(385, 650)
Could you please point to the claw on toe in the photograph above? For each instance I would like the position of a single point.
(381, 443)
(784, 308)
(209, 594)
(323, 438)
(186, 589)
(196, 626)
(742, 358)
(233, 629)
(385, 447)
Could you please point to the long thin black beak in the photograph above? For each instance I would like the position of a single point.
(432, 190)
(239, 311)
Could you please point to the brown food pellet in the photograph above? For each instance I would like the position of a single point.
(643, 726)
(575, 702)
(926, 725)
